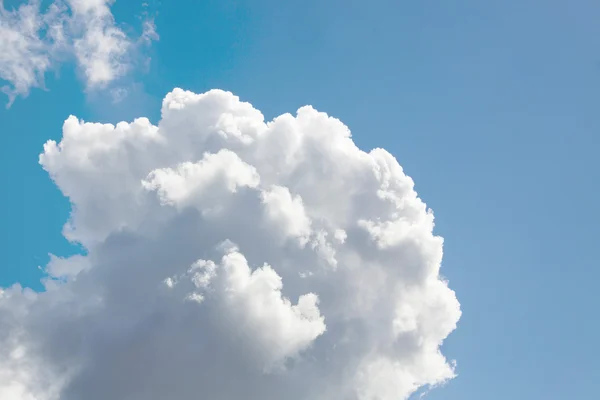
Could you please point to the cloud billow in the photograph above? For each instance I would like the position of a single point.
(229, 257)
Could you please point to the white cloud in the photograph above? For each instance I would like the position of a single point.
(24, 55)
(203, 184)
(229, 257)
(33, 39)
(250, 303)
(286, 213)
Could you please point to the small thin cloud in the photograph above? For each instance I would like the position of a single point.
(35, 38)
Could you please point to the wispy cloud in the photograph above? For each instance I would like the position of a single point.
(34, 38)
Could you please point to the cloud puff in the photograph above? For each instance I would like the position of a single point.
(228, 257)
(33, 39)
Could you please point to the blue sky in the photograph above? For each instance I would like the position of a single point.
(491, 107)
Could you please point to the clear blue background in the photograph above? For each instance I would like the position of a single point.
(493, 107)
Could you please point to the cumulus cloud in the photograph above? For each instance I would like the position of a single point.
(35, 38)
(228, 257)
